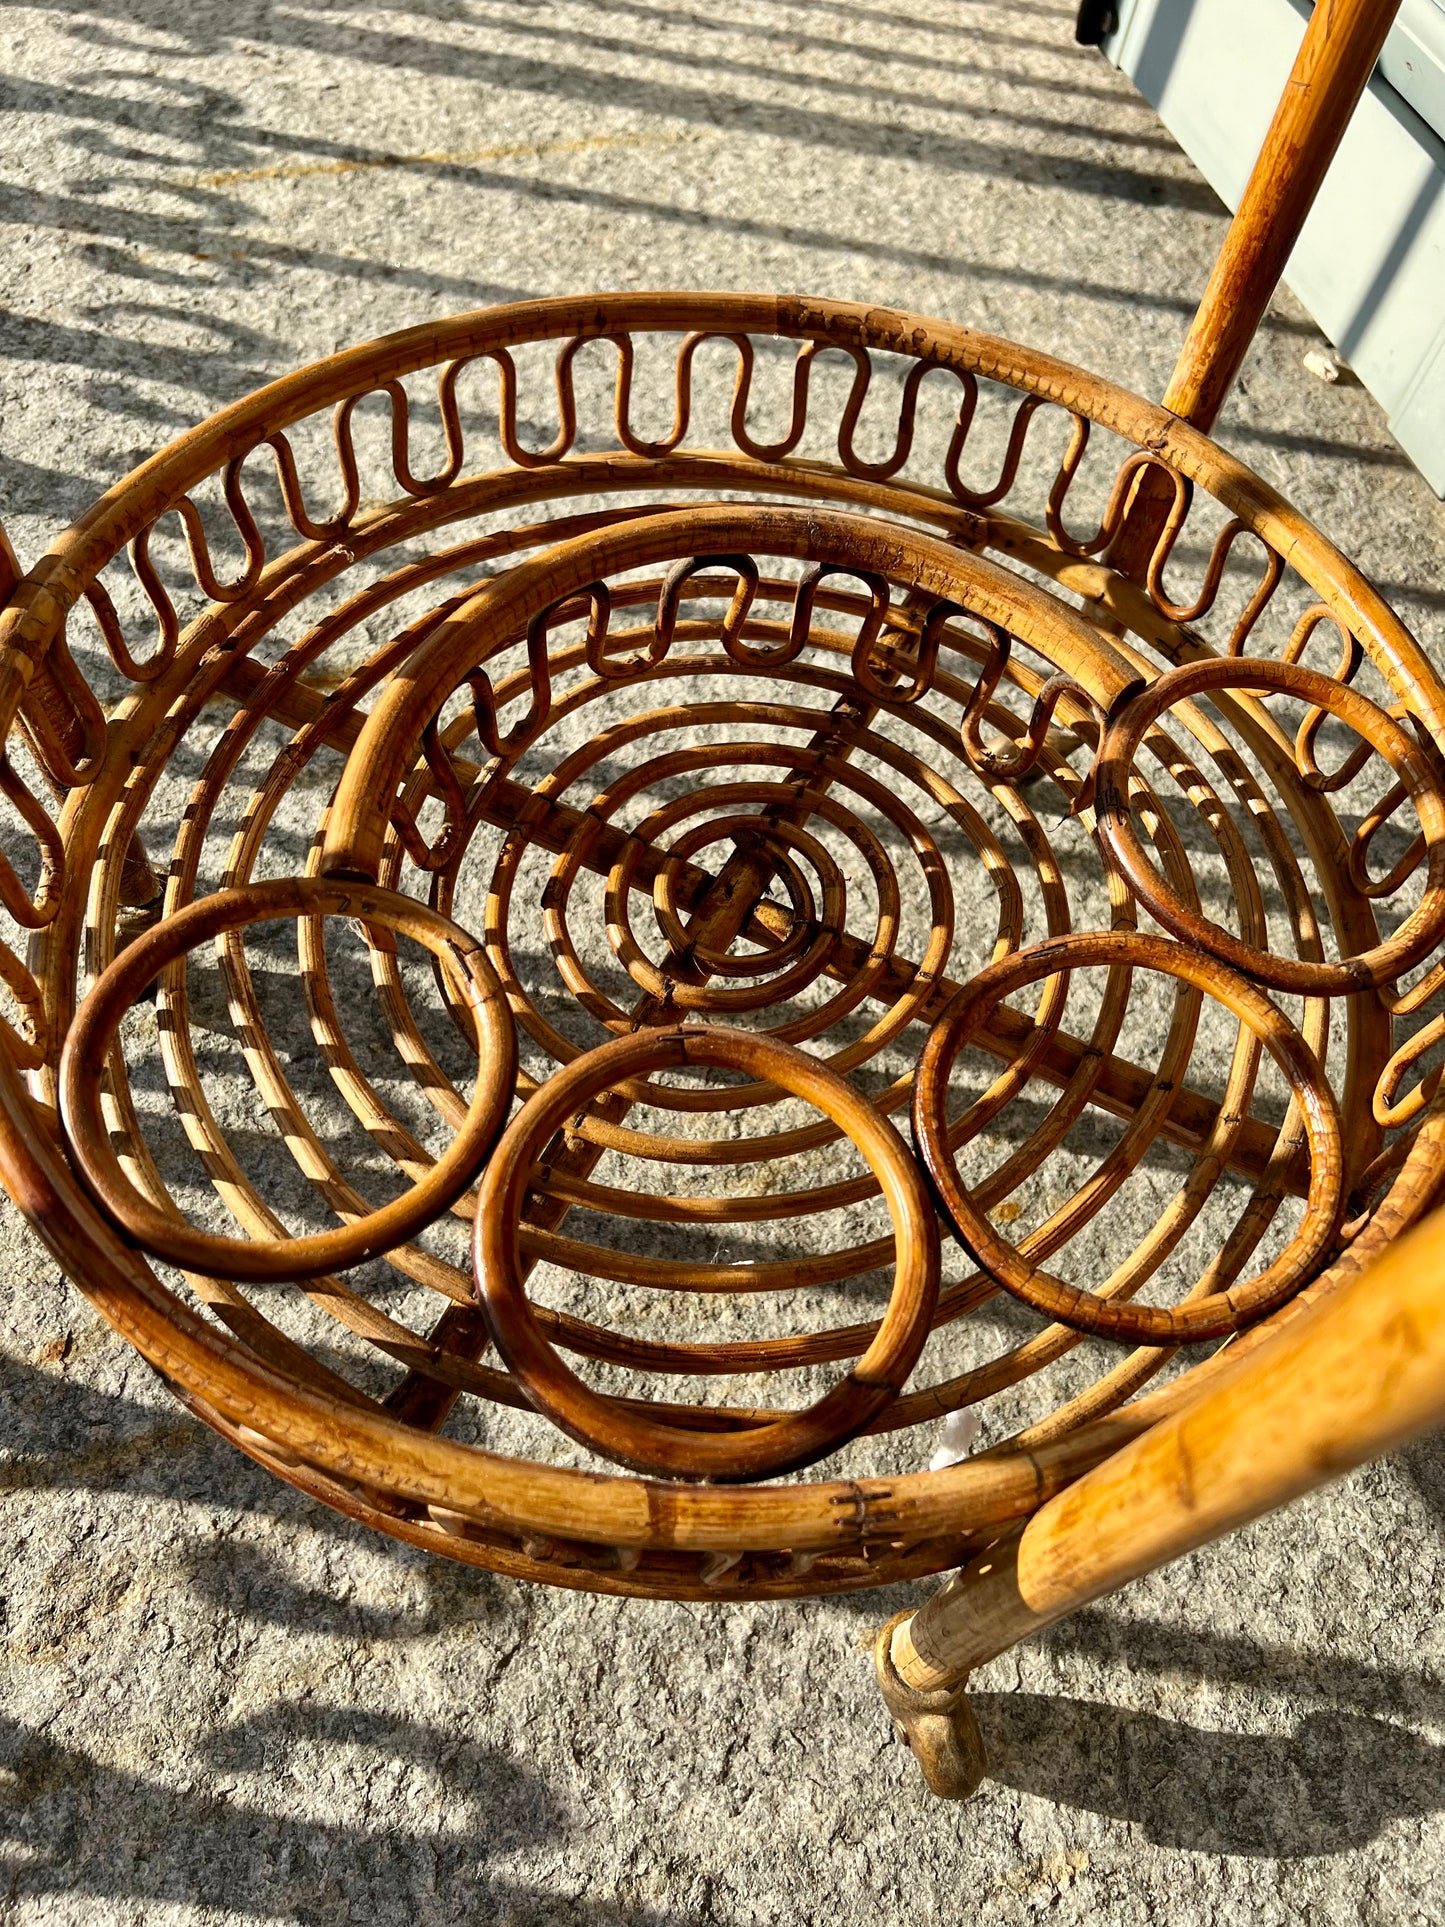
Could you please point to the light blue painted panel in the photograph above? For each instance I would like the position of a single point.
(1414, 60)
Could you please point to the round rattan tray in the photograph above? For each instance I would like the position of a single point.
(744, 741)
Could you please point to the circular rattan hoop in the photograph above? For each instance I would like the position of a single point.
(90, 1038)
(1421, 931)
(1219, 1314)
(622, 1433)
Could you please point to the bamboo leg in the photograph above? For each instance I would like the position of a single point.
(1357, 1376)
(1341, 44)
(1362, 1374)
(9, 569)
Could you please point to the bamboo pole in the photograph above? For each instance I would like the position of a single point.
(1364, 1372)
(9, 568)
(1340, 47)
(1341, 44)
(1352, 1379)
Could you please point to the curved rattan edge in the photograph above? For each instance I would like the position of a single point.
(133, 502)
(913, 1525)
(707, 1578)
(359, 815)
(368, 1447)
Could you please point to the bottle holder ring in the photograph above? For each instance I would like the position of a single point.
(1206, 1314)
(164, 1233)
(625, 1433)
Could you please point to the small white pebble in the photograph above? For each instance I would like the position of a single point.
(956, 1438)
(1323, 362)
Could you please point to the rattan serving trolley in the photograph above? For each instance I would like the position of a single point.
(851, 825)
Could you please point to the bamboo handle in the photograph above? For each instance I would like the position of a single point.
(1357, 1376)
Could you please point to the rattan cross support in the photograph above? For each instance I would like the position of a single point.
(764, 886)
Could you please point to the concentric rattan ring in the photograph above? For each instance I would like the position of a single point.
(622, 1433)
(1420, 932)
(259, 1260)
(1203, 1318)
(901, 1005)
(795, 963)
